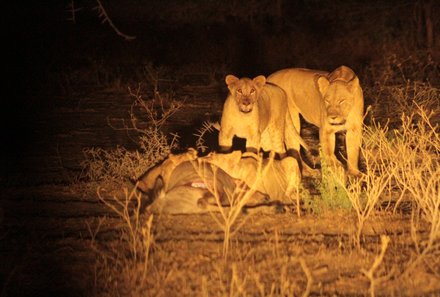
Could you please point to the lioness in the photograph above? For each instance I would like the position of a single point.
(257, 111)
(332, 101)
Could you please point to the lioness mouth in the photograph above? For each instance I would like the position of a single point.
(336, 122)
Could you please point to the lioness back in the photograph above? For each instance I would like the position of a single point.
(300, 87)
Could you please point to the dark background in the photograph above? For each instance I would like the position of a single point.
(63, 79)
(52, 60)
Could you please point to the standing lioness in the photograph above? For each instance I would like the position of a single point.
(332, 101)
(257, 111)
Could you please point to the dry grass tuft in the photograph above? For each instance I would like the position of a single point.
(123, 263)
(236, 202)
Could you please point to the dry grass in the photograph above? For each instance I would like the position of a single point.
(125, 259)
(236, 201)
(417, 150)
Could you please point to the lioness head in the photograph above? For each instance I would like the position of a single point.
(338, 90)
(245, 91)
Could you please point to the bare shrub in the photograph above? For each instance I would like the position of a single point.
(364, 192)
(407, 159)
(394, 100)
(417, 151)
(397, 69)
(102, 14)
(118, 164)
(401, 85)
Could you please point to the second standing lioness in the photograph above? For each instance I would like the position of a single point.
(332, 101)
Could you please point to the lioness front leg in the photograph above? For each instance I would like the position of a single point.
(277, 139)
(353, 141)
(327, 140)
(225, 140)
(253, 143)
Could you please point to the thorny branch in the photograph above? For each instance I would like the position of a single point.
(72, 10)
(102, 13)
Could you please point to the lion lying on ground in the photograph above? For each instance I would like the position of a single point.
(332, 101)
(189, 184)
(257, 111)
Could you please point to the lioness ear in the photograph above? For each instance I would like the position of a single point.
(260, 81)
(230, 79)
(159, 184)
(323, 84)
(353, 85)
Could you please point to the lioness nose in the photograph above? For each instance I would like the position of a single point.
(246, 101)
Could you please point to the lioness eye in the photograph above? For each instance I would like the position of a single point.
(239, 91)
(252, 91)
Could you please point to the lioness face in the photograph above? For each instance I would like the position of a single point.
(338, 98)
(245, 91)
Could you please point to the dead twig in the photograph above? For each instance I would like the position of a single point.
(102, 13)
(72, 11)
(377, 261)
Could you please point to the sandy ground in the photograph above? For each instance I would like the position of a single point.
(54, 240)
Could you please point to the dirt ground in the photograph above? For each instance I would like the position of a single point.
(54, 240)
